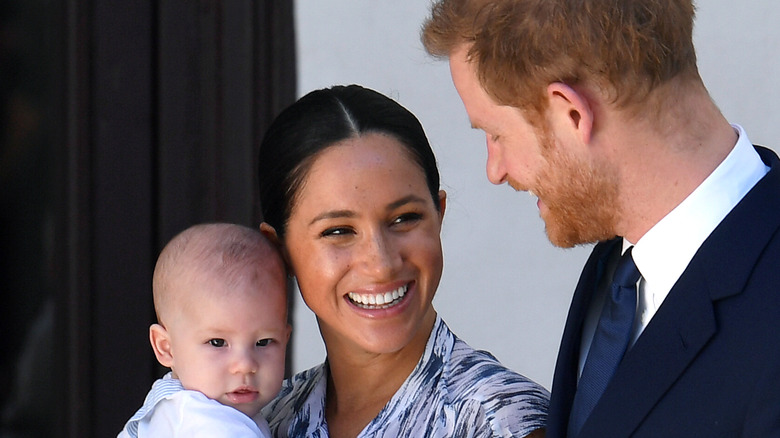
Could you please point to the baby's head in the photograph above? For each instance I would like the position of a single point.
(221, 303)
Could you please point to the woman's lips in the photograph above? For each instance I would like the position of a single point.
(384, 300)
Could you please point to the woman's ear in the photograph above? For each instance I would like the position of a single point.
(270, 233)
(570, 110)
(161, 344)
(442, 204)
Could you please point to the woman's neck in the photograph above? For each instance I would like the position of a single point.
(360, 383)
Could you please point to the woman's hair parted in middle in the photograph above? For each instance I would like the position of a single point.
(319, 120)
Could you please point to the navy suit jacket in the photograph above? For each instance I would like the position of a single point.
(708, 363)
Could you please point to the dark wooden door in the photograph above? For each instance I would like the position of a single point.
(121, 123)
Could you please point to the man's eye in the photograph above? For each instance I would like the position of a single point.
(264, 342)
(217, 342)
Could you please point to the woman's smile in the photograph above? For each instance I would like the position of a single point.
(380, 300)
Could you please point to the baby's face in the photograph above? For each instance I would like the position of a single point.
(230, 345)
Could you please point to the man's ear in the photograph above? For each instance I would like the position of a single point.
(161, 344)
(270, 233)
(570, 110)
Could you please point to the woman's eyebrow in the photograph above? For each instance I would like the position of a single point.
(338, 214)
(405, 200)
(333, 214)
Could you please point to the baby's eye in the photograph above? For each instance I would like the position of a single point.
(264, 342)
(217, 342)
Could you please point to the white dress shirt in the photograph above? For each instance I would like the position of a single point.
(663, 253)
(171, 411)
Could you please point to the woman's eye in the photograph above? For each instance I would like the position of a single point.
(217, 342)
(264, 342)
(407, 217)
(336, 231)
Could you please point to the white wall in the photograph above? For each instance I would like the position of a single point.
(505, 288)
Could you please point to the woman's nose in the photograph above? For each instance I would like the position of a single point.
(381, 257)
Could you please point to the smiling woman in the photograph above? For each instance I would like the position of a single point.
(360, 228)
(350, 190)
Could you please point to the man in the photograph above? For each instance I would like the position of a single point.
(597, 108)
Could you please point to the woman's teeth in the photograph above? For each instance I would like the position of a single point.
(378, 301)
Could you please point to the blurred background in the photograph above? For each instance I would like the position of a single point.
(122, 123)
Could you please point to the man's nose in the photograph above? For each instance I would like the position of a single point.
(496, 172)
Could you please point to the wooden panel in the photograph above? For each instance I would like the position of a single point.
(122, 135)
(153, 112)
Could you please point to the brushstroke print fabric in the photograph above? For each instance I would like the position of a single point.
(454, 391)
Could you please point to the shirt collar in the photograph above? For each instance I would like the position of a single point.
(663, 253)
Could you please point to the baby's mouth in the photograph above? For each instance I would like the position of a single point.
(378, 301)
(243, 395)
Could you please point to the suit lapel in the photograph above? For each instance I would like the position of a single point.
(565, 377)
(680, 329)
(686, 320)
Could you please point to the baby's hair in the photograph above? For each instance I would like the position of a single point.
(228, 251)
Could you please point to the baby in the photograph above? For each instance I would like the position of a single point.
(221, 303)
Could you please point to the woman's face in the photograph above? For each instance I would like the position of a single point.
(363, 241)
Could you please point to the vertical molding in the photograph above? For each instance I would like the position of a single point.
(122, 138)
(75, 221)
(275, 68)
(164, 104)
(185, 104)
(235, 145)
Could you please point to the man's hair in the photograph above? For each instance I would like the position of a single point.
(622, 49)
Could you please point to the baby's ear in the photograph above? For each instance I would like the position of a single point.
(161, 344)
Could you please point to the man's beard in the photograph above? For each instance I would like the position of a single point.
(580, 196)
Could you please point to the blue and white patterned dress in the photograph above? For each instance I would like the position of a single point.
(454, 391)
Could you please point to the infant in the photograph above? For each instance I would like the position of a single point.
(221, 303)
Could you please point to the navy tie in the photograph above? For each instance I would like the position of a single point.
(610, 342)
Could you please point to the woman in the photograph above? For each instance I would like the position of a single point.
(350, 189)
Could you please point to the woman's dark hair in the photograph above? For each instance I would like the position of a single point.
(317, 121)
